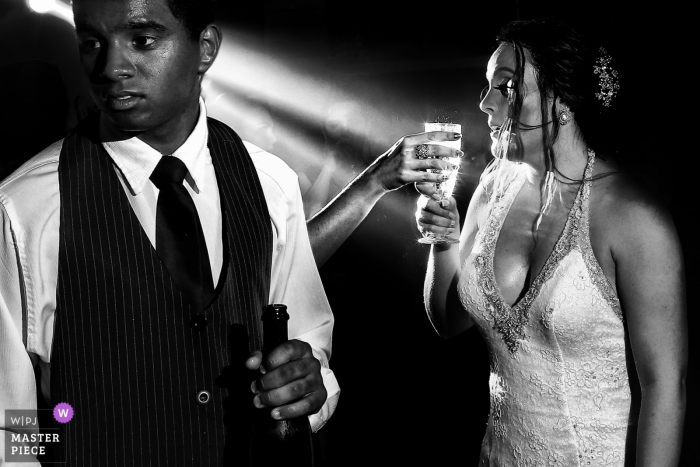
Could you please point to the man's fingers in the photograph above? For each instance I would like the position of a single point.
(288, 372)
(286, 352)
(289, 392)
(306, 406)
(295, 388)
(292, 400)
(253, 362)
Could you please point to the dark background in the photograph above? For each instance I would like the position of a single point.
(408, 397)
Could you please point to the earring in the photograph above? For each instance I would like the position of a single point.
(564, 116)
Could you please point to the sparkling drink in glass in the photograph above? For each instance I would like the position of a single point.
(444, 188)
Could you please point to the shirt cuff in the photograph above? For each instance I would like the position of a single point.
(320, 418)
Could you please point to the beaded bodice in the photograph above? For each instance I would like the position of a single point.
(559, 387)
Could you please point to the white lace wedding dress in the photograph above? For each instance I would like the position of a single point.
(559, 386)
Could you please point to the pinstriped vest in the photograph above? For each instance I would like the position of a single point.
(124, 355)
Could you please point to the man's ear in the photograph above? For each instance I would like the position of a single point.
(209, 43)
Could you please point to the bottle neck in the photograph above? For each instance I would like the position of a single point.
(274, 333)
(274, 319)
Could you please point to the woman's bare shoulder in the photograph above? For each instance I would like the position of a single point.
(625, 208)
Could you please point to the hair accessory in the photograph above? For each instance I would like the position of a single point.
(607, 77)
(564, 116)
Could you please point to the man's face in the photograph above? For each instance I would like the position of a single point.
(144, 69)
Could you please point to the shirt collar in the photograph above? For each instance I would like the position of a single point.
(137, 160)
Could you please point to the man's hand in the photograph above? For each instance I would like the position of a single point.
(290, 380)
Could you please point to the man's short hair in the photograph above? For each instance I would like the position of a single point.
(194, 15)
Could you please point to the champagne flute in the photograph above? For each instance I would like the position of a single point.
(445, 187)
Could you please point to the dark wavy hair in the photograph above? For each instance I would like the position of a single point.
(563, 63)
(194, 15)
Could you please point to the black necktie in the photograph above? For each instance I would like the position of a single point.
(180, 242)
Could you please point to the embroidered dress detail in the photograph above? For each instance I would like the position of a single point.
(597, 275)
(510, 321)
(559, 385)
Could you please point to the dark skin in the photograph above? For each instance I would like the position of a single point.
(145, 73)
(398, 166)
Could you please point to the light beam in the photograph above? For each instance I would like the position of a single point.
(52, 7)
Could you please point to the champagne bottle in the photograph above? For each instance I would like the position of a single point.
(277, 443)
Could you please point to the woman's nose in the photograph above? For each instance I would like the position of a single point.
(487, 104)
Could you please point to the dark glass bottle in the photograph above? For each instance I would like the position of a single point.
(279, 442)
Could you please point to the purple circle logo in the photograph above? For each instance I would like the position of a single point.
(63, 412)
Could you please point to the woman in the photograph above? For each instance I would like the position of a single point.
(571, 272)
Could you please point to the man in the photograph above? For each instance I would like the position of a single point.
(150, 354)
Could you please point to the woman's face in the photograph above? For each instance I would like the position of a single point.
(499, 74)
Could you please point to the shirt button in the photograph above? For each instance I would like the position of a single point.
(203, 397)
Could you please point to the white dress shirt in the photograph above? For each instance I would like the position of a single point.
(30, 218)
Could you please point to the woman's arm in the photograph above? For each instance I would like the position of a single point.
(651, 286)
(440, 293)
(331, 226)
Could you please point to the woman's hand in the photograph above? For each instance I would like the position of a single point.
(440, 295)
(408, 161)
(410, 158)
(438, 217)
